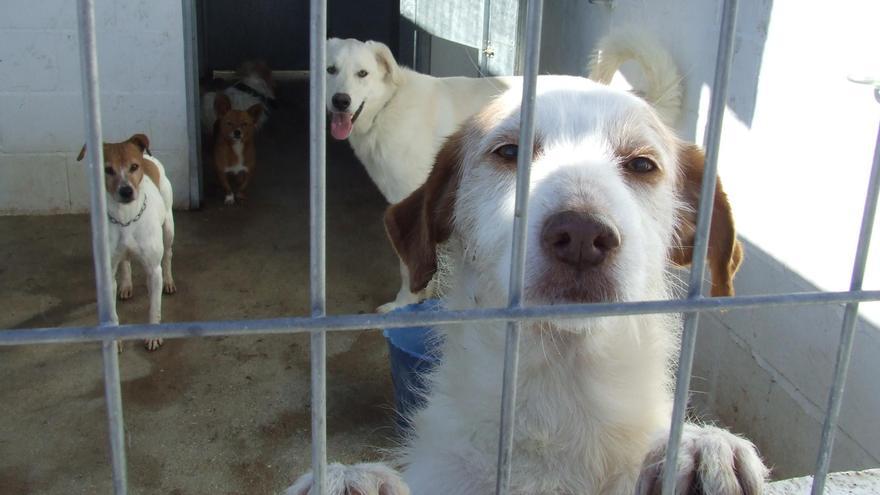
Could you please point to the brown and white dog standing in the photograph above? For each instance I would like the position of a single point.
(235, 152)
(141, 222)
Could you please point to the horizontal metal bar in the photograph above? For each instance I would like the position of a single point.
(301, 324)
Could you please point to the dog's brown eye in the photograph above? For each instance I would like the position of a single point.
(507, 151)
(133, 167)
(332, 70)
(362, 73)
(109, 171)
(641, 165)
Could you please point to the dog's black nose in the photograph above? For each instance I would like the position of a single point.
(578, 239)
(341, 101)
(236, 133)
(126, 192)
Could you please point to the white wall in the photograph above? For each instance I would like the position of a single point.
(795, 155)
(141, 65)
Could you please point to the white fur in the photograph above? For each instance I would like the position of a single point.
(593, 396)
(148, 241)
(238, 149)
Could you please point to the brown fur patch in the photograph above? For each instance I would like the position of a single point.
(423, 219)
(152, 171)
(725, 251)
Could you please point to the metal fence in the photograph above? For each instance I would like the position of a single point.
(108, 331)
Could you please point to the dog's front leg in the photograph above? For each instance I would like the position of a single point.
(710, 460)
(154, 287)
(359, 479)
(244, 179)
(115, 261)
(229, 197)
(404, 295)
(168, 241)
(123, 277)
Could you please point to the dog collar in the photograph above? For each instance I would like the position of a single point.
(268, 102)
(133, 220)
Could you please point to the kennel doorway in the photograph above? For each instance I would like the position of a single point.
(222, 34)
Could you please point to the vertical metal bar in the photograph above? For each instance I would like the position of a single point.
(317, 236)
(847, 333)
(517, 263)
(193, 103)
(701, 241)
(106, 312)
(484, 42)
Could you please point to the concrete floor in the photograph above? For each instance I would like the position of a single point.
(209, 415)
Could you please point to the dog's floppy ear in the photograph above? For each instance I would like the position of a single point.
(725, 251)
(222, 104)
(420, 222)
(255, 111)
(142, 142)
(386, 59)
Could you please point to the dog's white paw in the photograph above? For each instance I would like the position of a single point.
(124, 292)
(403, 299)
(389, 306)
(710, 460)
(359, 479)
(229, 200)
(152, 344)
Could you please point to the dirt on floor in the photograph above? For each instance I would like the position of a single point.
(227, 415)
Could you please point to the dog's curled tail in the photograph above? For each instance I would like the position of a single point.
(662, 81)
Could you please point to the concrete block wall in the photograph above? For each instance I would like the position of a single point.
(796, 150)
(141, 68)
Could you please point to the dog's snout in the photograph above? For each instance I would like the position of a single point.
(578, 239)
(236, 133)
(126, 192)
(341, 101)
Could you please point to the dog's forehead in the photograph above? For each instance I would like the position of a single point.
(121, 154)
(567, 106)
(350, 51)
(237, 116)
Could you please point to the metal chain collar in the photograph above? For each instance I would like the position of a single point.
(133, 220)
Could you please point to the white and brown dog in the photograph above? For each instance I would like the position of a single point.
(611, 204)
(141, 224)
(255, 86)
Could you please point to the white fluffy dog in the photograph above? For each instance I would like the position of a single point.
(612, 196)
(396, 119)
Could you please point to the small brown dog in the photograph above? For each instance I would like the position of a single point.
(235, 152)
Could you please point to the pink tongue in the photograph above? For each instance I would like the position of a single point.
(340, 125)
